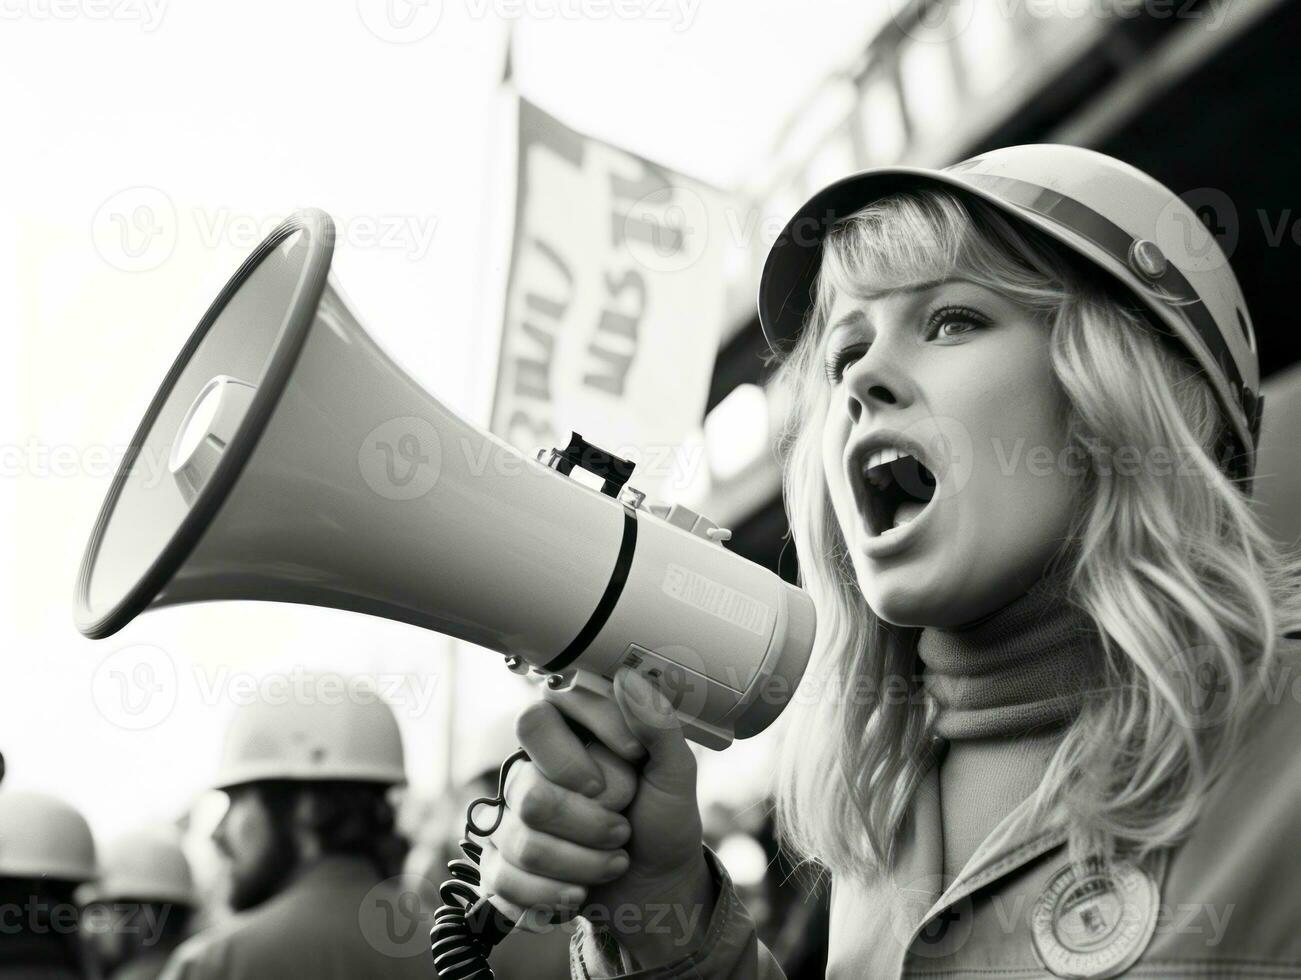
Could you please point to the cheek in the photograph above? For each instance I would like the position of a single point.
(835, 435)
(1017, 419)
(247, 830)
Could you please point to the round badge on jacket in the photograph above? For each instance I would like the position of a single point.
(1094, 920)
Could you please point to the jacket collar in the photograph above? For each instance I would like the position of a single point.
(1016, 841)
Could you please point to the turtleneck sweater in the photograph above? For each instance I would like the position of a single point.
(1005, 688)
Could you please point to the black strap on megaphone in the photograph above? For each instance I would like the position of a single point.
(466, 926)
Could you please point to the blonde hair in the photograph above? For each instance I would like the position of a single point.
(1176, 572)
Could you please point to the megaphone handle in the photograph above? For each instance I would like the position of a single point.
(467, 927)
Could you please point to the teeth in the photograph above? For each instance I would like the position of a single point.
(886, 454)
(873, 470)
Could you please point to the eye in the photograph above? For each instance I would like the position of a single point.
(839, 360)
(962, 320)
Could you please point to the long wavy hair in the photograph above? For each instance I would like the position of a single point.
(1188, 592)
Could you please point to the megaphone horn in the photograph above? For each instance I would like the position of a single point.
(291, 460)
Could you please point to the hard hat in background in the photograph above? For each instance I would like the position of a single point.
(43, 837)
(144, 866)
(1117, 217)
(331, 729)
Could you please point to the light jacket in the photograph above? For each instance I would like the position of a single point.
(336, 921)
(1226, 903)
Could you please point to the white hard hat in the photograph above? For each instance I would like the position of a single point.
(1117, 217)
(43, 837)
(145, 866)
(332, 728)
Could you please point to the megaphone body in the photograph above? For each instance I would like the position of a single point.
(291, 460)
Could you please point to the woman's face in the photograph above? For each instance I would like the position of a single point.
(961, 375)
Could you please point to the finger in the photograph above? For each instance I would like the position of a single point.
(545, 806)
(527, 899)
(620, 779)
(489, 863)
(602, 717)
(670, 767)
(551, 857)
(556, 751)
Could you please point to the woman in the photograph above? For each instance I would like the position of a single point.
(1050, 723)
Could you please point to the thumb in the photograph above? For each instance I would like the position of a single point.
(670, 767)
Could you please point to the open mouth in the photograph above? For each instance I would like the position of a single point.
(897, 488)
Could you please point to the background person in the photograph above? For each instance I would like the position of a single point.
(311, 844)
(46, 851)
(140, 908)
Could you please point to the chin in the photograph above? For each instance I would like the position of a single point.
(905, 595)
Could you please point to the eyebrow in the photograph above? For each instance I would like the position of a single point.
(856, 317)
(853, 318)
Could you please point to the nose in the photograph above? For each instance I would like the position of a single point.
(871, 382)
(220, 835)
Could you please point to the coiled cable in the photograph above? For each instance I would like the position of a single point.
(466, 926)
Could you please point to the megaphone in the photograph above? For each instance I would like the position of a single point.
(285, 457)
